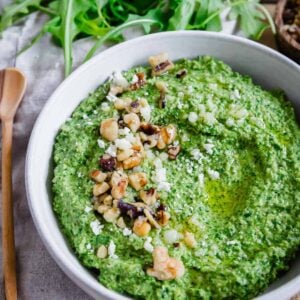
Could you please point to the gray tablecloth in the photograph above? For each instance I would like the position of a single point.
(39, 277)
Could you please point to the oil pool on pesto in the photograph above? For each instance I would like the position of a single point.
(181, 180)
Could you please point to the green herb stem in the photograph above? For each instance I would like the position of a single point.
(116, 31)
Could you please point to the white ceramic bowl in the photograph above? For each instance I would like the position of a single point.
(267, 67)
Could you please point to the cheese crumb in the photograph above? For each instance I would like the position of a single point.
(88, 246)
(127, 231)
(88, 209)
(164, 186)
(105, 106)
(148, 246)
(196, 154)
(193, 117)
(119, 80)
(201, 178)
(124, 131)
(112, 150)
(101, 143)
(111, 98)
(96, 227)
(111, 250)
(229, 122)
(122, 144)
(172, 236)
(208, 148)
(134, 79)
(213, 174)
(146, 113)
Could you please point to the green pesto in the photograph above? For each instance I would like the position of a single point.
(246, 223)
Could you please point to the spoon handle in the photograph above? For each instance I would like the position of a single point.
(9, 259)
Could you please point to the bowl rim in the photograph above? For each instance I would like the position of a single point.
(94, 288)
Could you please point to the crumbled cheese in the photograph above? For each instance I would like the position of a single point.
(111, 250)
(193, 117)
(232, 242)
(119, 80)
(122, 144)
(105, 106)
(148, 246)
(201, 178)
(127, 231)
(180, 94)
(88, 209)
(112, 150)
(137, 169)
(85, 116)
(185, 138)
(134, 79)
(88, 246)
(157, 163)
(172, 236)
(229, 122)
(96, 227)
(238, 112)
(130, 138)
(190, 89)
(163, 156)
(196, 154)
(164, 186)
(146, 113)
(160, 175)
(150, 155)
(101, 143)
(235, 94)
(124, 131)
(110, 97)
(208, 118)
(208, 148)
(213, 174)
(89, 123)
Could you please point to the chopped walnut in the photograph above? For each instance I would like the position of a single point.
(160, 64)
(100, 188)
(98, 176)
(149, 196)
(141, 227)
(140, 82)
(138, 180)
(132, 161)
(181, 74)
(133, 121)
(163, 217)
(164, 266)
(173, 151)
(109, 129)
(189, 239)
(119, 183)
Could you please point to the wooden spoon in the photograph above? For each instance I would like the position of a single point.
(12, 88)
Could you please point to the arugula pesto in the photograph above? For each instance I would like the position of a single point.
(233, 194)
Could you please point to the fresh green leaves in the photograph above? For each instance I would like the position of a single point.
(105, 20)
(12, 13)
(182, 15)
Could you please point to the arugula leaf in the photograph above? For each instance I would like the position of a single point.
(116, 31)
(249, 18)
(182, 15)
(15, 11)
